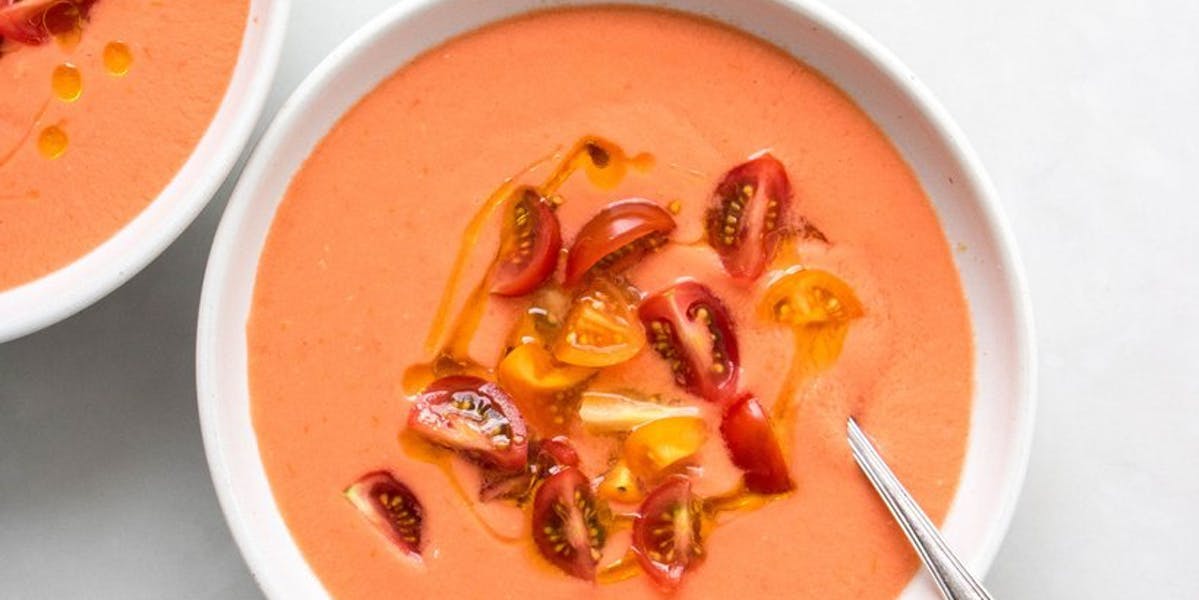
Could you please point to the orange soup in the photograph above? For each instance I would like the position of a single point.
(103, 102)
(577, 305)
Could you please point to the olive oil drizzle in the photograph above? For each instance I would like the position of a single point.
(605, 165)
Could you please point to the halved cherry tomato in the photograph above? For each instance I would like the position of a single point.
(33, 22)
(391, 507)
(748, 214)
(754, 448)
(601, 328)
(818, 307)
(546, 391)
(809, 297)
(472, 416)
(568, 527)
(690, 327)
(545, 458)
(668, 532)
(617, 237)
(659, 445)
(529, 247)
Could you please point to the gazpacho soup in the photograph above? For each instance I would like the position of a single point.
(577, 305)
(101, 102)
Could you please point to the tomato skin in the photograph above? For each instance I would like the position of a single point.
(568, 527)
(392, 508)
(558, 452)
(532, 241)
(472, 416)
(689, 327)
(33, 22)
(616, 237)
(668, 532)
(754, 447)
(748, 215)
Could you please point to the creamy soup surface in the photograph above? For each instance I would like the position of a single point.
(93, 126)
(364, 242)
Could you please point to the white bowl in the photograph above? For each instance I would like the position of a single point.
(62, 293)
(963, 197)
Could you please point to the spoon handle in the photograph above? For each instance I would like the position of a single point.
(955, 581)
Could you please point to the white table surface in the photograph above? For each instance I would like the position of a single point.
(1086, 113)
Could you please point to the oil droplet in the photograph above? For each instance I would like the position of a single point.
(67, 82)
(52, 142)
(117, 58)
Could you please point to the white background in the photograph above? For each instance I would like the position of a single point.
(1086, 113)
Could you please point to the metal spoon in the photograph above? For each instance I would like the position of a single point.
(955, 581)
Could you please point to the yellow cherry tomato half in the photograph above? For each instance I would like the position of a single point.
(809, 297)
(658, 445)
(546, 391)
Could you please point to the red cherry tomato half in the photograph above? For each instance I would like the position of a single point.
(690, 328)
(617, 237)
(391, 507)
(33, 22)
(754, 448)
(668, 532)
(529, 245)
(747, 216)
(568, 527)
(472, 416)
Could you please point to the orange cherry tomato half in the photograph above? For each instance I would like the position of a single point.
(617, 238)
(689, 327)
(472, 416)
(530, 243)
(754, 448)
(747, 216)
(568, 527)
(668, 532)
(601, 328)
(809, 297)
(391, 507)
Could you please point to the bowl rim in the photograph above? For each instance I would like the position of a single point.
(1012, 277)
(54, 296)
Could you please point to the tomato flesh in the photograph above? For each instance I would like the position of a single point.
(668, 532)
(690, 328)
(34, 22)
(754, 448)
(568, 526)
(747, 216)
(391, 507)
(472, 416)
(530, 244)
(617, 237)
